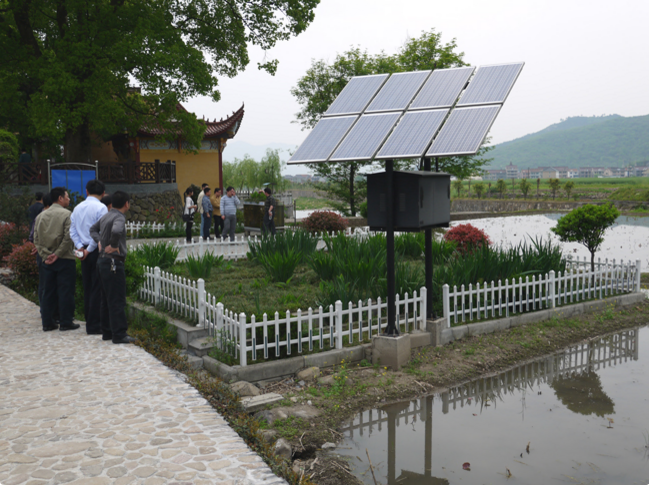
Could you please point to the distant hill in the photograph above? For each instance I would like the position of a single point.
(598, 141)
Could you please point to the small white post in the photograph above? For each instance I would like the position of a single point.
(156, 286)
(446, 305)
(201, 249)
(551, 290)
(339, 324)
(243, 355)
(201, 303)
(637, 274)
(423, 308)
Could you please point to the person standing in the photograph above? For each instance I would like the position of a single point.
(216, 213)
(47, 203)
(269, 212)
(188, 214)
(33, 211)
(207, 214)
(199, 203)
(229, 204)
(109, 233)
(56, 249)
(83, 216)
(23, 161)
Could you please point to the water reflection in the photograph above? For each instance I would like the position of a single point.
(573, 375)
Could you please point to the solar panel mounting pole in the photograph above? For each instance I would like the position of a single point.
(428, 252)
(391, 330)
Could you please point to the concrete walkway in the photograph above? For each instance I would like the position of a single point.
(75, 409)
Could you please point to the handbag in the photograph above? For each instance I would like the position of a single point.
(188, 217)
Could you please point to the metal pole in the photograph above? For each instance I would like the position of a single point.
(391, 329)
(428, 251)
(49, 174)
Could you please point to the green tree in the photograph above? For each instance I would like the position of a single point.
(538, 187)
(586, 225)
(567, 187)
(478, 188)
(501, 187)
(323, 81)
(457, 185)
(555, 184)
(66, 68)
(270, 171)
(8, 149)
(525, 187)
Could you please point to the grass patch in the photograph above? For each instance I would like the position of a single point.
(312, 203)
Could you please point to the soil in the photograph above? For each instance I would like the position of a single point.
(342, 392)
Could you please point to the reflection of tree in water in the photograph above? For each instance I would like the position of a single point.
(582, 393)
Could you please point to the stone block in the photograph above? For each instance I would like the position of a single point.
(219, 369)
(393, 352)
(245, 389)
(283, 449)
(255, 403)
(420, 339)
(501, 324)
(460, 332)
(446, 336)
(335, 357)
(434, 328)
(195, 362)
(309, 374)
(201, 346)
(480, 328)
(594, 306)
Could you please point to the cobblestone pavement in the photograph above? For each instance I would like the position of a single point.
(75, 409)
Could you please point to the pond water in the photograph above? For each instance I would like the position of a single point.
(627, 239)
(578, 416)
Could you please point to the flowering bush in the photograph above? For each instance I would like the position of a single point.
(22, 263)
(467, 237)
(324, 221)
(11, 235)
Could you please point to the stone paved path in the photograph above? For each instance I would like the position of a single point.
(75, 409)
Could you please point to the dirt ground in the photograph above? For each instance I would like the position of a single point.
(339, 394)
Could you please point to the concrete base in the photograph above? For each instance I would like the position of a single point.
(393, 352)
(256, 403)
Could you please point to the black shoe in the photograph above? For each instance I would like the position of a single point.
(50, 328)
(106, 337)
(94, 332)
(125, 340)
(72, 326)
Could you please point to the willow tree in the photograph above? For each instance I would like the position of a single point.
(66, 67)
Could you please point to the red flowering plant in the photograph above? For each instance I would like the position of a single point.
(467, 238)
(324, 221)
(22, 263)
(10, 235)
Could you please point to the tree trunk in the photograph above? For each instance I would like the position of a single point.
(78, 145)
(352, 205)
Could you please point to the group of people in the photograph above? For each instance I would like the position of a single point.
(221, 211)
(95, 233)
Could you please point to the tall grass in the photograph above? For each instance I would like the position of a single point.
(280, 266)
(201, 266)
(161, 254)
(299, 241)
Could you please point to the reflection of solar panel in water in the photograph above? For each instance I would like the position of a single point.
(323, 139)
(355, 97)
(398, 91)
(366, 137)
(491, 84)
(442, 88)
(464, 131)
(413, 134)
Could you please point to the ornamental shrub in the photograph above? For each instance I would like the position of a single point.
(22, 263)
(467, 238)
(10, 236)
(324, 221)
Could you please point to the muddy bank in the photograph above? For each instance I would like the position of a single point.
(312, 413)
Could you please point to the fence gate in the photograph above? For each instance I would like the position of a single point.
(72, 176)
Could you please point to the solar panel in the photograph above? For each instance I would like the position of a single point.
(323, 139)
(442, 88)
(366, 137)
(355, 97)
(491, 84)
(413, 134)
(398, 91)
(464, 131)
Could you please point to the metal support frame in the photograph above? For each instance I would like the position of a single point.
(391, 330)
(428, 256)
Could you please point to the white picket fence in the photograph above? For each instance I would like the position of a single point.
(133, 228)
(281, 334)
(577, 283)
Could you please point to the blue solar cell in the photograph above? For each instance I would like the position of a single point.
(413, 134)
(398, 91)
(442, 88)
(355, 97)
(491, 84)
(464, 131)
(366, 137)
(323, 139)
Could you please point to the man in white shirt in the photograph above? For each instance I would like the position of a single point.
(83, 217)
(199, 203)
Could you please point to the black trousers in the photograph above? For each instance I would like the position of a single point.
(41, 290)
(91, 292)
(113, 298)
(207, 222)
(188, 231)
(218, 225)
(269, 225)
(59, 280)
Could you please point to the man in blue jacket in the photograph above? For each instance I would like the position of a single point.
(207, 213)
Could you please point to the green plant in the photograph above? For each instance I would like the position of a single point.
(324, 221)
(409, 245)
(457, 185)
(201, 266)
(501, 187)
(299, 241)
(134, 269)
(525, 186)
(479, 189)
(161, 254)
(467, 238)
(22, 263)
(567, 187)
(154, 325)
(363, 209)
(10, 236)
(257, 197)
(223, 349)
(555, 184)
(280, 267)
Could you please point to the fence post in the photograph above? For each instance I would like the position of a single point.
(637, 275)
(218, 332)
(201, 250)
(551, 292)
(156, 285)
(423, 295)
(338, 319)
(201, 303)
(243, 355)
(446, 306)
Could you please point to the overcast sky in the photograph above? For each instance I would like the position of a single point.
(581, 58)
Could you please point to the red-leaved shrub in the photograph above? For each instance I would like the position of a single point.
(324, 221)
(22, 263)
(10, 235)
(467, 237)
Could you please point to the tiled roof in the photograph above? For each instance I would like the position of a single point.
(227, 127)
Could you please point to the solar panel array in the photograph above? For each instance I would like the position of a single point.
(401, 115)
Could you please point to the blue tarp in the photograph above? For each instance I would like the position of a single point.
(73, 180)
